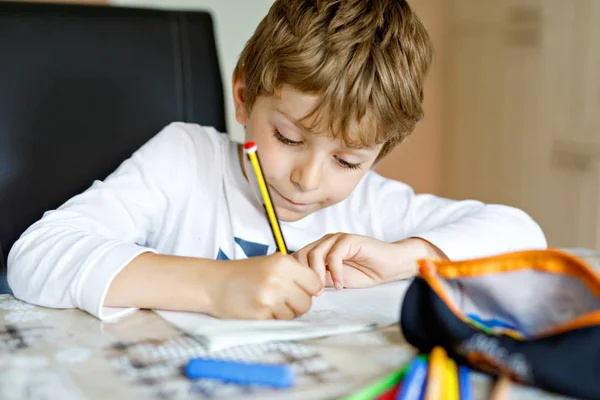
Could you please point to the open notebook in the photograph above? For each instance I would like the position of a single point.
(332, 313)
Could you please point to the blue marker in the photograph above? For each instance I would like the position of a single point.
(414, 383)
(273, 375)
(464, 383)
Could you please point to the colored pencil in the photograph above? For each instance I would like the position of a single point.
(437, 373)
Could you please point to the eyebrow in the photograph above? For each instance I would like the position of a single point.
(293, 120)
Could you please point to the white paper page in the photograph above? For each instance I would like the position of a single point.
(332, 313)
(379, 305)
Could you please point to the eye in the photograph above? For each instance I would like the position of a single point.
(283, 139)
(346, 164)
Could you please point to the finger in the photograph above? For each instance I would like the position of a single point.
(298, 301)
(335, 266)
(307, 280)
(328, 280)
(283, 311)
(302, 255)
(338, 253)
(316, 256)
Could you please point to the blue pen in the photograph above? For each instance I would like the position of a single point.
(273, 375)
(464, 383)
(414, 383)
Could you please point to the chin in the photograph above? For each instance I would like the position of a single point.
(290, 216)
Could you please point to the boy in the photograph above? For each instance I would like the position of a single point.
(325, 89)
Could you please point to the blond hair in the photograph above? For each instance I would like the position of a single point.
(366, 59)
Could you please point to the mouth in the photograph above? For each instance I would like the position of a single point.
(298, 205)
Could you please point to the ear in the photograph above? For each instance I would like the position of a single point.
(238, 85)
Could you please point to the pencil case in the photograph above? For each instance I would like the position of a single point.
(533, 316)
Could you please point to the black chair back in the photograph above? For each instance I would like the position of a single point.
(82, 87)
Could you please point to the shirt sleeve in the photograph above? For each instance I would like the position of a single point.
(69, 258)
(461, 229)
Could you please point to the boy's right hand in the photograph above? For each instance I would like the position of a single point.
(269, 287)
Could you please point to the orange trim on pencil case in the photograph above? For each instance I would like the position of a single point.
(428, 270)
(583, 321)
(552, 261)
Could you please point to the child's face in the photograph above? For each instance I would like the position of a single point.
(305, 172)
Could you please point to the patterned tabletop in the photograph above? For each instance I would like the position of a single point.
(67, 354)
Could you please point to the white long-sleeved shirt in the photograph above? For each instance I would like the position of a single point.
(184, 193)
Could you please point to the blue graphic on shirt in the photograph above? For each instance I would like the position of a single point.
(222, 256)
(250, 249)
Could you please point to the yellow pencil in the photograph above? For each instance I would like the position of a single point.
(451, 381)
(436, 376)
(250, 150)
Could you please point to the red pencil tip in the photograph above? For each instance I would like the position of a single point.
(249, 145)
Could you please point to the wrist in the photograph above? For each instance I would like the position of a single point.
(197, 284)
(420, 249)
(406, 253)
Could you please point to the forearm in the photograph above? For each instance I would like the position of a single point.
(166, 282)
(485, 231)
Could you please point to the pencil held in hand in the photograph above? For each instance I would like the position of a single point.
(251, 151)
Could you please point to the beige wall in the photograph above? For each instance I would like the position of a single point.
(419, 160)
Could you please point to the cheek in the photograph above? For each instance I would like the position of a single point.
(254, 133)
(268, 152)
(340, 186)
(272, 159)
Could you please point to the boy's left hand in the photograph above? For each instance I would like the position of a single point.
(355, 261)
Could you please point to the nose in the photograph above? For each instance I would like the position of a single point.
(307, 174)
